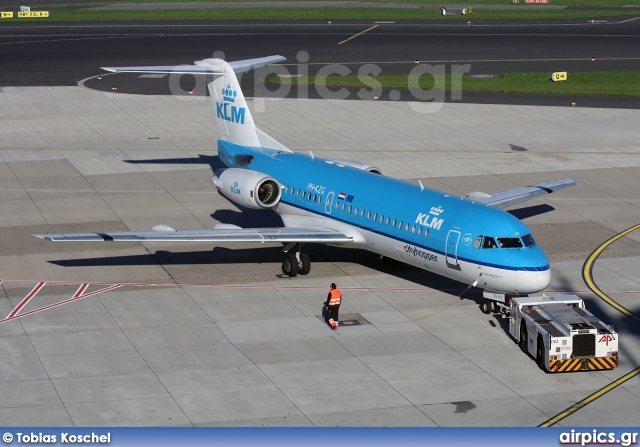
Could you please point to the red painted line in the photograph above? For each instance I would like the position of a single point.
(231, 286)
(81, 290)
(293, 287)
(106, 289)
(51, 306)
(26, 299)
(80, 293)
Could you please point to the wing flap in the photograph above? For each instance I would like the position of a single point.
(513, 196)
(262, 235)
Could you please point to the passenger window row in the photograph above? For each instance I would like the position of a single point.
(360, 212)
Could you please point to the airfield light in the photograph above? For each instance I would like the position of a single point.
(191, 92)
(329, 22)
(593, 59)
(573, 104)
(375, 97)
(99, 77)
(114, 88)
(468, 23)
(417, 61)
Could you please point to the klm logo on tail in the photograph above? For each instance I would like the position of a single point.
(228, 111)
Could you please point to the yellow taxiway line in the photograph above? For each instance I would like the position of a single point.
(356, 35)
(587, 273)
(601, 392)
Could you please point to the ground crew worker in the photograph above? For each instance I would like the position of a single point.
(333, 306)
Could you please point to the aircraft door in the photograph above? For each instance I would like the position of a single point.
(328, 202)
(451, 249)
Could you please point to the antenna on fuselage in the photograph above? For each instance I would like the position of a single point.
(421, 185)
(311, 155)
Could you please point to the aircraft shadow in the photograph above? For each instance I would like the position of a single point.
(530, 211)
(246, 217)
(219, 255)
(273, 254)
(212, 160)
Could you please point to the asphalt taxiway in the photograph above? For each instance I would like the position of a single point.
(64, 54)
(158, 334)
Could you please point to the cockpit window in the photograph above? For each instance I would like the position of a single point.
(477, 242)
(489, 242)
(509, 242)
(528, 240)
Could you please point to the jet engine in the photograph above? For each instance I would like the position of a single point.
(248, 188)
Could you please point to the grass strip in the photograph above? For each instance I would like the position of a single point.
(471, 3)
(322, 13)
(598, 83)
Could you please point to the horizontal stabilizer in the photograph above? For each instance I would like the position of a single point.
(250, 64)
(237, 234)
(513, 196)
(205, 66)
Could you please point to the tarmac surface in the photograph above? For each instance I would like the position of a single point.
(192, 334)
(153, 334)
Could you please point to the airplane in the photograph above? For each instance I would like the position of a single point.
(335, 201)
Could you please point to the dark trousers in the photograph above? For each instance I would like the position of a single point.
(332, 312)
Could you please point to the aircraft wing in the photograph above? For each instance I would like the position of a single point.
(512, 196)
(204, 66)
(222, 233)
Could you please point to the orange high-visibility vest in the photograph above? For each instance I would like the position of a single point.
(335, 297)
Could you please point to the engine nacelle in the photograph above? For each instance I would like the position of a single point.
(356, 164)
(251, 189)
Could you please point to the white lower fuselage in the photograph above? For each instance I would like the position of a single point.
(433, 260)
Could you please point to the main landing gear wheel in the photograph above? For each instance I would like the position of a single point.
(304, 266)
(540, 353)
(523, 337)
(296, 262)
(494, 307)
(290, 265)
(486, 306)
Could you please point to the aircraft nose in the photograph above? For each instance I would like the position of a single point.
(531, 281)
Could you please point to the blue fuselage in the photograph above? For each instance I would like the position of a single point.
(443, 233)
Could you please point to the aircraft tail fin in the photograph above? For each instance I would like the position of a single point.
(235, 122)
